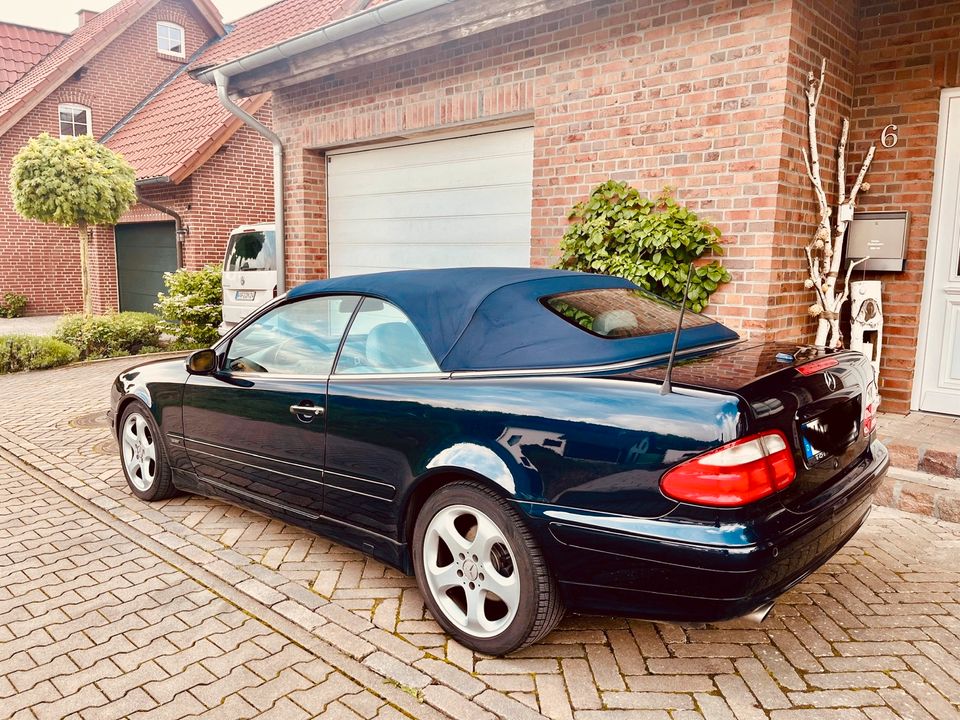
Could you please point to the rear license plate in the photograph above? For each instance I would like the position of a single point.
(246, 294)
(811, 454)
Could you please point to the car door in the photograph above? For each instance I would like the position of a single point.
(378, 416)
(255, 428)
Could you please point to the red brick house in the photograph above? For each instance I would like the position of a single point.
(85, 82)
(122, 77)
(461, 132)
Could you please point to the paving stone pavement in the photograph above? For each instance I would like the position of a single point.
(93, 626)
(873, 634)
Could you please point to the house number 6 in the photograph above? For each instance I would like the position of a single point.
(889, 136)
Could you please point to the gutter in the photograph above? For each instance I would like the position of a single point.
(375, 17)
(179, 227)
(222, 81)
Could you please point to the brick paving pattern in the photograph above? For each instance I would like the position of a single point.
(874, 634)
(93, 626)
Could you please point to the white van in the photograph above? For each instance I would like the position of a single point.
(249, 272)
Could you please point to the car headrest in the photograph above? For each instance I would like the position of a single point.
(396, 345)
(615, 322)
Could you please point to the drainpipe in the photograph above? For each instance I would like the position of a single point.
(179, 228)
(223, 82)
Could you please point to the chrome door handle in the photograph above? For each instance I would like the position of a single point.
(306, 410)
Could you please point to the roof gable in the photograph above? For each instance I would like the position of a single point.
(77, 50)
(22, 47)
(183, 124)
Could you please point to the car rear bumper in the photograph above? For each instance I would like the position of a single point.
(672, 570)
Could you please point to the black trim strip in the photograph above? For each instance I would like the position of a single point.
(258, 498)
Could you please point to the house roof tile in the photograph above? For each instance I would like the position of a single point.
(76, 50)
(21, 48)
(184, 123)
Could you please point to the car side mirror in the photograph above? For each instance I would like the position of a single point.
(202, 362)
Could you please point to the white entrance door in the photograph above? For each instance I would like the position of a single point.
(454, 202)
(939, 345)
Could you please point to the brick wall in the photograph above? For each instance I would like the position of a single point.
(47, 266)
(680, 94)
(908, 53)
(820, 29)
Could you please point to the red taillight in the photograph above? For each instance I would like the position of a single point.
(816, 366)
(737, 473)
(871, 406)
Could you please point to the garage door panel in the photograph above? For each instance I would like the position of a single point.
(144, 252)
(447, 203)
(487, 229)
(474, 173)
(505, 199)
(507, 142)
(377, 258)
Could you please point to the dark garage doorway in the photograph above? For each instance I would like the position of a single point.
(145, 251)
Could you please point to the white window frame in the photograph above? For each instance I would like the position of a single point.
(183, 39)
(73, 107)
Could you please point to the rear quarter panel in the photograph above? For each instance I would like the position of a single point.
(596, 443)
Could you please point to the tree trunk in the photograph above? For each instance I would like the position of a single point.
(85, 269)
(823, 329)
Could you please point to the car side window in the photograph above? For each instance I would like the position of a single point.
(383, 340)
(299, 338)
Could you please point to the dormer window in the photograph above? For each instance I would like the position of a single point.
(170, 39)
(74, 120)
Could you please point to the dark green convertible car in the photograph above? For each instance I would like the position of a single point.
(506, 436)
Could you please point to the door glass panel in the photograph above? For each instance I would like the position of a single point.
(300, 338)
(383, 340)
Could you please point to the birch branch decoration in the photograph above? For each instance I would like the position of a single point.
(825, 251)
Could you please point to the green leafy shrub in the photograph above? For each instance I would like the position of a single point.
(29, 352)
(651, 242)
(12, 305)
(192, 306)
(113, 335)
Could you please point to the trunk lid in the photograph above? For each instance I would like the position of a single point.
(816, 397)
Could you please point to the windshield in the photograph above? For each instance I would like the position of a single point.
(251, 251)
(621, 312)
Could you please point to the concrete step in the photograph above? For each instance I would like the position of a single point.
(921, 492)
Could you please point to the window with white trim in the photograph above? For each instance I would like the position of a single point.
(170, 39)
(74, 120)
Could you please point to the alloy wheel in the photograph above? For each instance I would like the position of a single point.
(471, 571)
(139, 452)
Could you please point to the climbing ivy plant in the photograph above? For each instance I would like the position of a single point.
(651, 242)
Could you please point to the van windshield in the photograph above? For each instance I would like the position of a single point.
(251, 251)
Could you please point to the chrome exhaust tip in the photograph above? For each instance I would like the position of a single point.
(760, 614)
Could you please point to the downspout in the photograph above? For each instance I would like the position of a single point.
(179, 228)
(223, 82)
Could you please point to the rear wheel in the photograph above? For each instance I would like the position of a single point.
(480, 570)
(143, 455)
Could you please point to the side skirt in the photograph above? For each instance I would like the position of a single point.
(385, 549)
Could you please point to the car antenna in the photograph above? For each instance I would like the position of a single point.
(667, 388)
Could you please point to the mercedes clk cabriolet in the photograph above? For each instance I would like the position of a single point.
(511, 438)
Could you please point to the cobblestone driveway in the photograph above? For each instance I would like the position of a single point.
(874, 634)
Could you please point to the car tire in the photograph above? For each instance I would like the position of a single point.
(143, 456)
(480, 571)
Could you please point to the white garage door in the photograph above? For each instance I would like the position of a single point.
(445, 203)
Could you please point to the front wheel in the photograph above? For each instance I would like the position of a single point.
(143, 455)
(480, 571)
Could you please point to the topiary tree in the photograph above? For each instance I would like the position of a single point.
(651, 242)
(73, 182)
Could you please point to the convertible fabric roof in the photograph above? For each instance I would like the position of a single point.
(492, 318)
